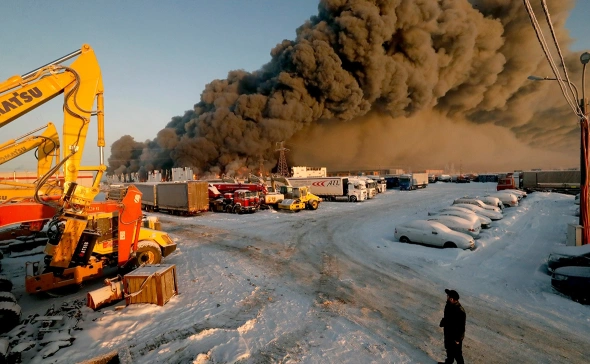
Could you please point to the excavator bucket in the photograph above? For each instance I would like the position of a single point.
(113, 291)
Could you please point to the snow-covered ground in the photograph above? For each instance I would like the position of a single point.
(332, 286)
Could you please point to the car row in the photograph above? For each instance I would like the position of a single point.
(454, 226)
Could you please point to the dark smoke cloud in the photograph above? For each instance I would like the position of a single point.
(400, 62)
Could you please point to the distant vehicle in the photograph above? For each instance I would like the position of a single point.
(494, 215)
(476, 202)
(508, 199)
(445, 178)
(463, 179)
(413, 181)
(432, 233)
(573, 281)
(569, 256)
(459, 224)
(482, 221)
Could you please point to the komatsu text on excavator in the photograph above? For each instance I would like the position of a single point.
(84, 236)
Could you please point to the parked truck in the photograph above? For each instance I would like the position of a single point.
(370, 185)
(182, 198)
(555, 181)
(408, 182)
(333, 188)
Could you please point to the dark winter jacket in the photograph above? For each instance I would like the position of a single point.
(453, 322)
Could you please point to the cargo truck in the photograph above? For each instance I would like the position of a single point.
(408, 182)
(333, 188)
(182, 198)
(550, 181)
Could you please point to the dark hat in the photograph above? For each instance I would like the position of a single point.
(452, 293)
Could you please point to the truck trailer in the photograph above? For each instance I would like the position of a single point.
(148, 195)
(183, 198)
(332, 188)
(413, 181)
(555, 181)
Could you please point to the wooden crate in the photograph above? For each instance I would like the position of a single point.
(151, 284)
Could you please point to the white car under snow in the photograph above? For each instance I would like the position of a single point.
(478, 210)
(432, 233)
(485, 221)
(469, 225)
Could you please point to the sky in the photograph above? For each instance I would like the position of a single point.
(334, 286)
(156, 57)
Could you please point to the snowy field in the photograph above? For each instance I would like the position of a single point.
(332, 286)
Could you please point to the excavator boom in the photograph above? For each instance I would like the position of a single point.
(47, 145)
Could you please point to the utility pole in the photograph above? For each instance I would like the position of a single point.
(584, 215)
(283, 169)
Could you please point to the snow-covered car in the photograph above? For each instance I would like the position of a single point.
(494, 215)
(459, 224)
(488, 200)
(476, 202)
(569, 256)
(520, 194)
(484, 222)
(572, 281)
(508, 199)
(432, 233)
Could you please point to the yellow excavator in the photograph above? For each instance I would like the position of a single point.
(47, 151)
(85, 236)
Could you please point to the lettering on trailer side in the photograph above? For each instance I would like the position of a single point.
(18, 99)
(326, 183)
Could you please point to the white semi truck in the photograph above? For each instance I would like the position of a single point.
(333, 188)
(370, 183)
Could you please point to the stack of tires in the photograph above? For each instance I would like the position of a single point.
(10, 313)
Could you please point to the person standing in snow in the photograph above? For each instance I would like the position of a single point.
(453, 324)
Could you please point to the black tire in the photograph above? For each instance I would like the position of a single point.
(404, 239)
(449, 244)
(237, 209)
(7, 297)
(5, 284)
(10, 314)
(352, 198)
(313, 205)
(148, 252)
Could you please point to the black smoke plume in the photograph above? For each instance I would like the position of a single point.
(360, 81)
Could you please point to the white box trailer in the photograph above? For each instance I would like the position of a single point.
(413, 181)
(332, 188)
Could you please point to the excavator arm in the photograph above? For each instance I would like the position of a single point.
(47, 145)
(81, 84)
